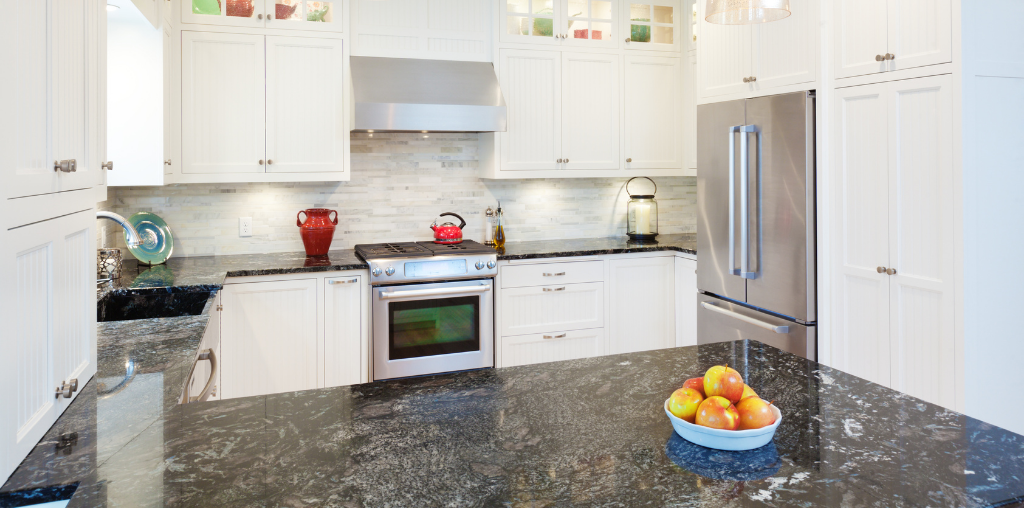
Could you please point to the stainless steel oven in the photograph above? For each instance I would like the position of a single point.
(432, 307)
(430, 328)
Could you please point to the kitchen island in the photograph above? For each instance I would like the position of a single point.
(583, 432)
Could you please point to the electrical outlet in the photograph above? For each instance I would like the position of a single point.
(244, 226)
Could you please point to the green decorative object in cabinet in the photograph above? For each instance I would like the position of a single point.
(319, 12)
(208, 7)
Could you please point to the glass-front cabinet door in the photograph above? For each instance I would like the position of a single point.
(652, 24)
(244, 13)
(323, 16)
(530, 21)
(590, 23)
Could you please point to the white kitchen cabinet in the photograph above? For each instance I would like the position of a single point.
(590, 111)
(553, 346)
(345, 350)
(436, 30)
(48, 274)
(653, 108)
(541, 309)
(581, 23)
(234, 13)
(531, 82)
(874, 36)
(307, 15)
(172, 100)
(686, 301)
(641, 303)
(893, 315)
(541, 274)
(652, 24)
(269, 337)
(305, 106)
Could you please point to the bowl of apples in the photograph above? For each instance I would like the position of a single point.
(720, 411)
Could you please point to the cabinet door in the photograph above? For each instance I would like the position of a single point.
(653, 113)
(203, 371)
(269, 338)
(920, 33)
(860, 334)
(345, 331)
(641, 306)
(724, 58)
(223, 103)
(545, 308)
(860, 28)
(242, 13)
(785, 52)
(921, 244)
(308, 15)
(172, 101)
(436, 29)
(305, 108)
(652, 24)
(49, 306)
(532, 84)
(24, 155)
(686, 302)
(590, 23)
(590, 111)
(552, 346)
(529, 21)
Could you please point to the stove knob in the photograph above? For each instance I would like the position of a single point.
(376, 272)
(491, 264)
(479, 265)
(390, 271)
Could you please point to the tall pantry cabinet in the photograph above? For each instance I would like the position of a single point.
(52, 149)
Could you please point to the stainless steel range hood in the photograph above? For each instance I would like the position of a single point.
(404, 94)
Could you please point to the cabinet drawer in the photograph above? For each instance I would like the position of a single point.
(514, 276)
(552, 347)
(557, 307)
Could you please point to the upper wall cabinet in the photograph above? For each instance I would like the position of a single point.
(874, 36)
(434, 29)
(653, 95)
(278, 14)
(642, 24)
(652, 24)
(749, 60)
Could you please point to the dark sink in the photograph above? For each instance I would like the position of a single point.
(129, 304)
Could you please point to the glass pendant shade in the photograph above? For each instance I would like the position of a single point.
(745, 12)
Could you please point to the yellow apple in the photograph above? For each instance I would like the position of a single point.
(722, 381)
(748, 392)
(717, 413)
(684, 403)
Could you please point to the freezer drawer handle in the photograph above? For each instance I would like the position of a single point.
(746, 319)
(386, 295)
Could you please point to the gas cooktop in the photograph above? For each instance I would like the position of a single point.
(427, 261)
(420, 249)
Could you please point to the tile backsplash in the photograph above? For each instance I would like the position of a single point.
(400, 183)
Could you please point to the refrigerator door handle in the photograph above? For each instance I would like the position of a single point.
(744, 270)
(746, 319)
(732, 196)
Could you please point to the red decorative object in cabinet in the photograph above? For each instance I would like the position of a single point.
(318, 230)
(240, 8)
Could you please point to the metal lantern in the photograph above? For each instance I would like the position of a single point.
(642, 214)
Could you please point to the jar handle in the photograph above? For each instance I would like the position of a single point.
(297, 221)
(335, 220)
(645, 178)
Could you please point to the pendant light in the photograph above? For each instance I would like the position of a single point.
(745, 12)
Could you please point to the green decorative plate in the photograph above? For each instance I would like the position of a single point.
(157, 240)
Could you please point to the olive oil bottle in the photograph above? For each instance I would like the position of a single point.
(499, 228)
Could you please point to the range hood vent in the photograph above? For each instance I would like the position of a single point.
(405, 94)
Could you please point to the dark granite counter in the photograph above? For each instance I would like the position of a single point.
(686, 243)
(583, 433)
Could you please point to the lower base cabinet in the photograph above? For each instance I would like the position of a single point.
(206, 367)
(552, 347)
(686, 302)
(346, 316)
(641, 304)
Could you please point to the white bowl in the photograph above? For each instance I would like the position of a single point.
(732, 440)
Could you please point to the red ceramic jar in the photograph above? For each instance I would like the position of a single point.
(317, 231)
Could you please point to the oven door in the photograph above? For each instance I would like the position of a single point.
(423, 329)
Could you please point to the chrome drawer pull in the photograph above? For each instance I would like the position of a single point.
(350, 281)
(556, 289)
(561, 336)
(210, 356)
(548, 274)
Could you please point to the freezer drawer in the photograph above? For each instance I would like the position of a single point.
(721, 321)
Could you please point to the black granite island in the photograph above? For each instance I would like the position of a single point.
(580, 433)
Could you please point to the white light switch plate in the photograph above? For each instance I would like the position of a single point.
(244, 226)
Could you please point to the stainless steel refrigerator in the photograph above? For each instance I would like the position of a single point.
(755, 223)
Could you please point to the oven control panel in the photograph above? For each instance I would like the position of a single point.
(386, 271)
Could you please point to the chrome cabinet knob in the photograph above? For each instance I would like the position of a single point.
(109, 165)
(566, 161)
(491, 264)
(559, 161)
(890, 56)
(479, 265)
(270, 17)
(167, 162)
(377, 271)
(890, 271)
(63, 390)
(753, 79)
(746, 80)
(270, 161)
(389, 271)
(261, 162)
(880, 269)
(628, 39)
(629, 159)
(879, 58)
(65, 166)
(259, 16)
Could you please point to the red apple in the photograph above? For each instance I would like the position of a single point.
(697, 383)
(717, 413)
(755, 413)
(684, 403)
(722, 381)
(748, 392)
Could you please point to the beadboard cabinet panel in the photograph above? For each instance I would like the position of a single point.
(531, 310)
(641, 294)
(552, 346)
(531, 82)
(590, 111)
(920, 32)
(861, 34)
(686, 302)
(346, 311)
(653, 108)
(725, 58)
(431, 29)
(785, 51)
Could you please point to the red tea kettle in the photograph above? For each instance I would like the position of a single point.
(448, 232)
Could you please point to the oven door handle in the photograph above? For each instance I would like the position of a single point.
(388, 295)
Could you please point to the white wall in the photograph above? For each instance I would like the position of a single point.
(134, 98)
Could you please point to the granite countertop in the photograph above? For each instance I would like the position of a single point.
(686, 243)
(584, 432)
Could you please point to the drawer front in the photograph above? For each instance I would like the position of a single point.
(552, 347)
(556, 307)
(515, 276)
